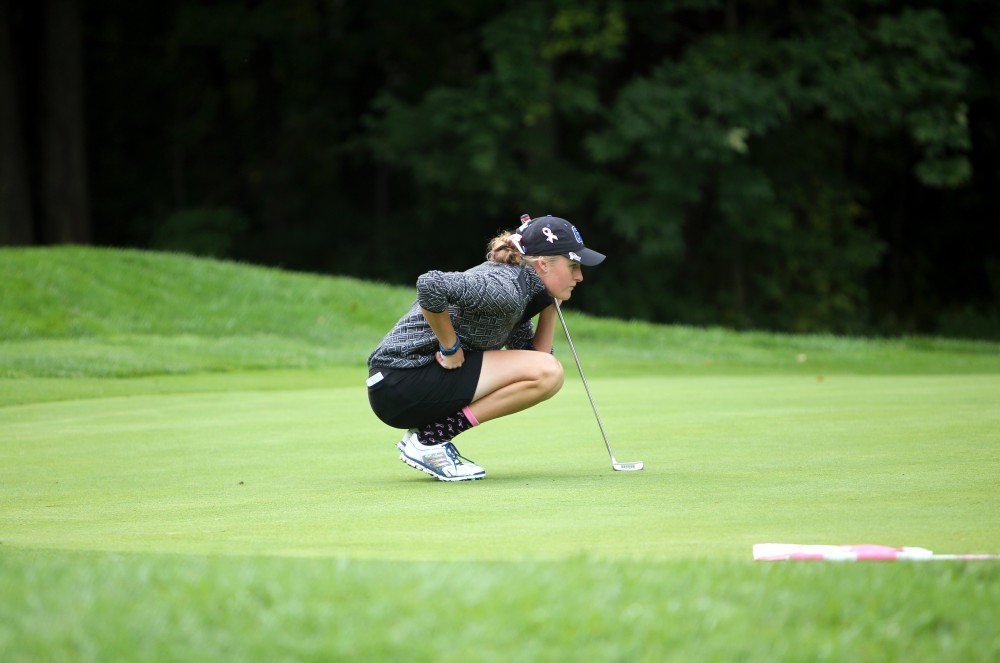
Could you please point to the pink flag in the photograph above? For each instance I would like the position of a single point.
(773, 552)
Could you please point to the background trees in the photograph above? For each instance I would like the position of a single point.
(43, 172)
(782, 165)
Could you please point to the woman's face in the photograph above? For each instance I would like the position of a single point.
(560, 276)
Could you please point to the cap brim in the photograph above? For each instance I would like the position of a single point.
(588, 257)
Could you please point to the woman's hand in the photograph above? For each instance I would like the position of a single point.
(441, 324)
(451, 362)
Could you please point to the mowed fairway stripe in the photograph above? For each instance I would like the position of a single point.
(730, 461)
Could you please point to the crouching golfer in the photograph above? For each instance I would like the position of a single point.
(442, 369)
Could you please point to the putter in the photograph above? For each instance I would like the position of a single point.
(615, 465)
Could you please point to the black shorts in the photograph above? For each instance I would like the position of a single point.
(415, 397)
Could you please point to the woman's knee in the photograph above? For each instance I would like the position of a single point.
(537, 373)
(551, 375)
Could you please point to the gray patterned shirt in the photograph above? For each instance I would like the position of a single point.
(487, 305)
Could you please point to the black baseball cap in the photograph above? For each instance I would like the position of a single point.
(552, 236)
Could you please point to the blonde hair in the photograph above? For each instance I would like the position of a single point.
(502, 250)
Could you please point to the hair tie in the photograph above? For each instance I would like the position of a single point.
(515, 239)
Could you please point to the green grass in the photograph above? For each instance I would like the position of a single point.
(198, 607)
(189, 471)
(80, 312)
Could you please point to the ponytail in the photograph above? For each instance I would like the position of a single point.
(506, 250)
(503, 250)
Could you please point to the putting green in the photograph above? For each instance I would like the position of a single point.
(246, 468)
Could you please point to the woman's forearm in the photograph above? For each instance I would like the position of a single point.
(546, 327)
(441, 324)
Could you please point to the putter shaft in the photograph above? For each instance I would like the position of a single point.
(572, 348)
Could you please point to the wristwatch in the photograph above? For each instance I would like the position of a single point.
(447, 352)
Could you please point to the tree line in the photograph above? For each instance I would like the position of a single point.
(797, 166)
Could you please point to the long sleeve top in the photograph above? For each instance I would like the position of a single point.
(491, 307)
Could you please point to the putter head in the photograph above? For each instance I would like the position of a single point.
(627, 467)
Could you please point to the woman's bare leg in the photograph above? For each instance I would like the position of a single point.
(513, 380)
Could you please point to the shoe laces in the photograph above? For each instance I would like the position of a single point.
(455, 456)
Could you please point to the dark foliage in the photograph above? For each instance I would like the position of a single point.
(798, 166)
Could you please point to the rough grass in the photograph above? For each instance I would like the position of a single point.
(85, 312)
(97, 606)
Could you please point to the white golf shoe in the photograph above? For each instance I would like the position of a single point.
(441, 461)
